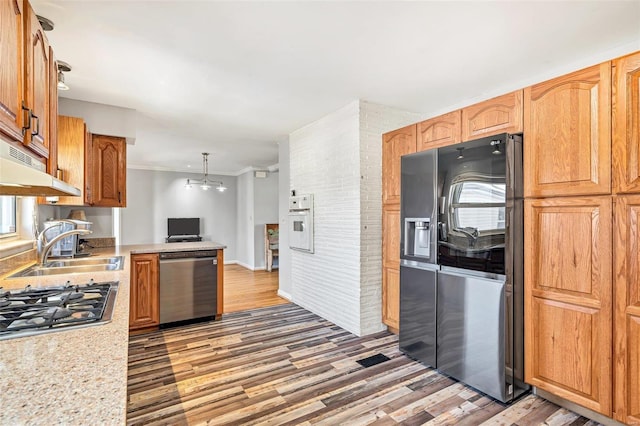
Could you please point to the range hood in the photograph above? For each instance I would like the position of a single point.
(23, 174)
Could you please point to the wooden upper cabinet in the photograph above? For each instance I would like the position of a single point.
(72, 148)
(440, 131)
(498, 115)
(567, 122)
(11, 68)
(626, 124)
(626, 323)
(37, 94)
(394, 145)
(568, 299)
(52, 162)
(144, 300)
(108, 171)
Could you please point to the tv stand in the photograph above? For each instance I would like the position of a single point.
(183, 238)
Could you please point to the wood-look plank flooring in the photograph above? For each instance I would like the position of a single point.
(283, 365)
(246, 289)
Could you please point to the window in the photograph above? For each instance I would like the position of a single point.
(479, 205)
(7, 215)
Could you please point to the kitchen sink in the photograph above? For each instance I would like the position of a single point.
(71, 266)
(58, 263)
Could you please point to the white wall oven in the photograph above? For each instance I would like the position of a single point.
(301, 223)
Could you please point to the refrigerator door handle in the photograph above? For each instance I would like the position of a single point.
(442, 231)
(419, 265)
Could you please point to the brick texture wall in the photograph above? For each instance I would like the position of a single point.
(338, 159)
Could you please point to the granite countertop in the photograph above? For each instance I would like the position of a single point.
(78, 375)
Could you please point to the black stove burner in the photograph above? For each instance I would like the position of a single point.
(51, 308)
(56, 313)
(71, 296)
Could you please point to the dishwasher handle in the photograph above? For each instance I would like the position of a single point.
(214, 260)
(188, 254)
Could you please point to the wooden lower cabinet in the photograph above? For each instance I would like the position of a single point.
(568, 299)
(144, 299)
(391, 266)
(627, 310)
(391, 298)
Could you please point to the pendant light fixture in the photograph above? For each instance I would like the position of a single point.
(62, 68)
(204, 183)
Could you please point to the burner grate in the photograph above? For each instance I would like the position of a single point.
(38, 310)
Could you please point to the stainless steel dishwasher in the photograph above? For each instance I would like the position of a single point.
(188, 285)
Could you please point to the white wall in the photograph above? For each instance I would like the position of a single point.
(257, 205)
(284, 253)
(154, 196)
(338, 159)
(102, 119)
(265, 205)
(100, 217)
(244, 226)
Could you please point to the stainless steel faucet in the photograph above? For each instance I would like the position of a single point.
(470, 233)
(44, 246)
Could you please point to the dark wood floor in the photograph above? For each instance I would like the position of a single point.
(283, 365)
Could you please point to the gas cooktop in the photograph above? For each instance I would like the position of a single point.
(36, 310)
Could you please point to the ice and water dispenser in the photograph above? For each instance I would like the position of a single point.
(417, 237)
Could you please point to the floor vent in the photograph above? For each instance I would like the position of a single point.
(373, 360)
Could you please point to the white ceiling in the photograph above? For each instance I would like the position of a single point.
(235, 77)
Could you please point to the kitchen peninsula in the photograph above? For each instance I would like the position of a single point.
(79, 375)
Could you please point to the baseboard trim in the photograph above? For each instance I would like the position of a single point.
(579, 409)
(285, 295)
(249, 267)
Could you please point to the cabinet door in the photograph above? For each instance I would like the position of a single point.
(37, 84)
(394, 145)
(71, 149)
(52, 162)
(391, 298)
(11, 71)
(627, 310)
(498, 115)
(439, 131)
(108, 171)
(391, 266)
(568, 298)
(567, 128)
(144, 300)
(626, 124)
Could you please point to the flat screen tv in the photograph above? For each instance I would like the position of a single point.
(183, 226)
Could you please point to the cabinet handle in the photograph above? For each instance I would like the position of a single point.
(119, 197)
(37, 132)
(28, 126)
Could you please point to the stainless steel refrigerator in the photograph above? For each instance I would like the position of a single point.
(461, 274)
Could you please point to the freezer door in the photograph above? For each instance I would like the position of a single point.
(471, 332)
(418, 206)
(418, 312)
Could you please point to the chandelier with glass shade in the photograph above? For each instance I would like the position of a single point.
(205, 183)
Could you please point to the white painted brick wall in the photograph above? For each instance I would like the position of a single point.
(375, 120)
(338, 160)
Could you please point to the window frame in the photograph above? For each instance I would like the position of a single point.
(455, 191)
(16, 217)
